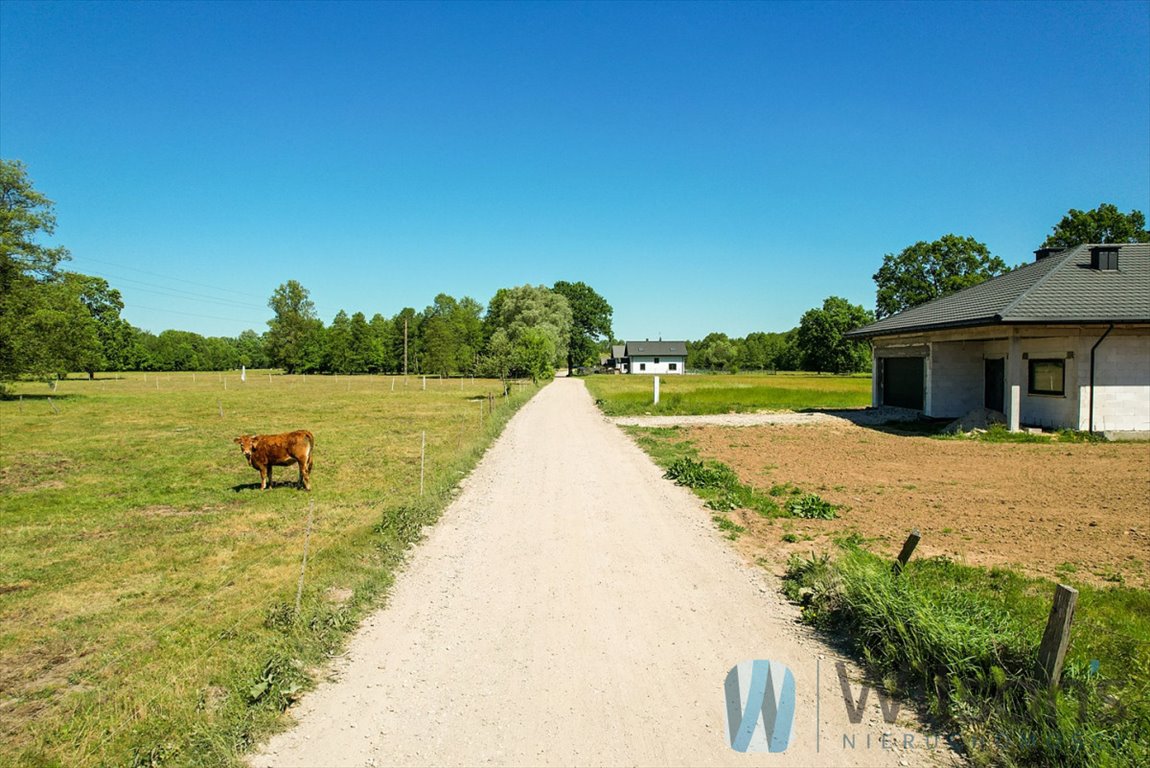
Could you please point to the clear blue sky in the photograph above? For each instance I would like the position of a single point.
(703, 166)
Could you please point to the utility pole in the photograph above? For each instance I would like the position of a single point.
(405, 347)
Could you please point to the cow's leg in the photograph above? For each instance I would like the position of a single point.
(265, 477)
(305, 473)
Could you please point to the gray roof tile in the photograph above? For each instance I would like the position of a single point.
(1062, 288)
(671, 348)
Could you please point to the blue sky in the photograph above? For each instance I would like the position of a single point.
(718, 166)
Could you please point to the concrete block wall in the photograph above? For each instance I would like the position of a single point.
(1122, 384)
(956, 378)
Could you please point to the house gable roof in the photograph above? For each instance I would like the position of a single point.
(1059, 289)
(669, 348)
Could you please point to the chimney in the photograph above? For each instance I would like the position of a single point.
(1042, 253)
(1104, 258)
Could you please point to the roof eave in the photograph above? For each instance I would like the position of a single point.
(996, 320)
(862, 333)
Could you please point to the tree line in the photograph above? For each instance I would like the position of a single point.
(53, 321)
(921, 272)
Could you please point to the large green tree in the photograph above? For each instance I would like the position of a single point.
(115, 336)
(451, 335)
(31, 293)
(295, 335)
(714, 352)
(525, 308)
(250, 349)
(339, 356)
(1104, 224)
(820, 337)
(382, 356)
(25, 216)
(926, 271)
(590, 322)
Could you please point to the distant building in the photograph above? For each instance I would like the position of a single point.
(617, 362)
(1062, 342)
(651, 357)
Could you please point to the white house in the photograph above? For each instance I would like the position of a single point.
(661, 357)
(1063, 342)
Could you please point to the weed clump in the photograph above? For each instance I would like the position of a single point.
(811, 506)
(720, 487)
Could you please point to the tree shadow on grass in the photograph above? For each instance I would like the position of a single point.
(42, 397)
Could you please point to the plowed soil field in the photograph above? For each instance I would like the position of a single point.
(1070, 511)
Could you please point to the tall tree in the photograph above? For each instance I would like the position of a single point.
(25, 216)
(27, 267)
(383, 355)
(405, 340)
(467, 323)
(360, 347)
(714, 352)
(250, 348)
(590, 322)
(440, 340)
(926, 271)
(1104, 224)
(104, 304)
(295, 334)
(517, 310)
(338, 356)
(820, 337)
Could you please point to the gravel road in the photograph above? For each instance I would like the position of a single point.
(572, 607)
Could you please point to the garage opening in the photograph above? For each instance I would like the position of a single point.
(902, 382)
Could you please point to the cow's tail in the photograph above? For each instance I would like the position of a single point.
(310, 447)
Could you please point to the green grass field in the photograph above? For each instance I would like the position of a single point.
(147, 586)
(725, 393)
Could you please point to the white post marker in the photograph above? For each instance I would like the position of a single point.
(243, 373)
(656, 390)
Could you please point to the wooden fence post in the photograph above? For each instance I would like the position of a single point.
(1056, 638)
(907, 550)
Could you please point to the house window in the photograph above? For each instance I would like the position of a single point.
(672, 366)
(656, 361)
(642, 366)
(1047, 377)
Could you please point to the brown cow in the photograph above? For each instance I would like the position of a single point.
(266, 451)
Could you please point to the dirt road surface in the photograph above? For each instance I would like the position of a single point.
(572, 607)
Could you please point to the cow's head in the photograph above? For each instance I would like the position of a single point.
(247, 444)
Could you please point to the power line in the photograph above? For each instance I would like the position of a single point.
(193, 314)
(168, 277)
(178, 293)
